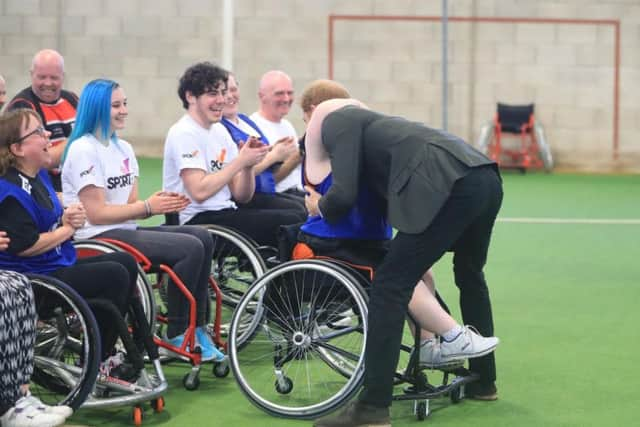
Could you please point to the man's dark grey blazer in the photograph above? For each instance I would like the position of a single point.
(408, 164)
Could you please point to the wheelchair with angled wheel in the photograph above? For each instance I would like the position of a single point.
(237, 262)
(515, 139)
(67, 353)
(305, 356)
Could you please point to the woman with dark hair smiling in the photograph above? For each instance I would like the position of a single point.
(39, 233)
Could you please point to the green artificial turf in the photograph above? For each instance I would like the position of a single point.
(565, 308)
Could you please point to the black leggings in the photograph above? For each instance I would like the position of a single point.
(188, 251)
(277, 201)
(111, 277)
(259, 224)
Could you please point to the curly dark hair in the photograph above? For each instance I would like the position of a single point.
(201, 78)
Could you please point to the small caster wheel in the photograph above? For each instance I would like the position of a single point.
(456, 395)
(221, 369)
(284, 385)
(191, 382)
(138, 416)
(158, 404)
(421, 411)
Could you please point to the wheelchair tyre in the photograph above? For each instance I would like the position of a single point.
(284, 385)
(236, 265)
(299, 300)
(485, 140)
(137, 416)
(544, 149)
(421, 411)
(67, 350)
(221, 369)
(158, 405)
(456, 395)
(191, 382)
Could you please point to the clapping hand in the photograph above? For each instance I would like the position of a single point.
(162, 202)
(252, 152)
(4, 241)
(74, 215)
(311, 200)
(283, 148)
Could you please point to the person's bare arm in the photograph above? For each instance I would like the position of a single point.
(288, 166)
(201, 185)
(342, 139)
(73, 218)
(49, 240)
(278, 153)
(243, 184)
(99, 212)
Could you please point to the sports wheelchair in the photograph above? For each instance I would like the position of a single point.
(528, 150)
(67, 353)
(305, 358)
(237, 262)
(235, 265)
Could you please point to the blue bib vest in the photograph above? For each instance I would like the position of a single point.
(365, 220)
(265, 183)
(46, 220)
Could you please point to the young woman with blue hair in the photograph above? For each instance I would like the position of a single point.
(100, 170)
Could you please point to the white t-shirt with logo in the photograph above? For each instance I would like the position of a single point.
(190, 146)
(112, 167)
(275, 131)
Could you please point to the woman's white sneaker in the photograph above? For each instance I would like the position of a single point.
(62, 410)
(25, 414)
(468, 344)
(430, 357)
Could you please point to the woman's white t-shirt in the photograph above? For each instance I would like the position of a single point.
(112, 167)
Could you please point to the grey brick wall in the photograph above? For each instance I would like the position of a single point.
(395, 66)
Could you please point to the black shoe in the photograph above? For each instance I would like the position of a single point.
(357, 414)
(481, 391)
(116, 367)
(125, 372)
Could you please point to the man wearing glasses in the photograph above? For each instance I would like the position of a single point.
(55, 106)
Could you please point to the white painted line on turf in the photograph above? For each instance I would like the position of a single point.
(605, 221)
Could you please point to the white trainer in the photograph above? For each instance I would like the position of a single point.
(469, 344)
(24, 414)
(62, 410)
(431, 358)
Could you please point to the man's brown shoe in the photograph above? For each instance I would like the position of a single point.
(481, 391)
(357, 414)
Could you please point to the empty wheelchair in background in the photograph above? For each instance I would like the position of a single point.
(67, 353)
(306, 356)
(514, 139)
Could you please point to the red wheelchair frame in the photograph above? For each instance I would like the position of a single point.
(529, 152)
(191, 380)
